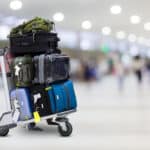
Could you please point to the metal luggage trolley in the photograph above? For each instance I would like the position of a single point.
(9, 113)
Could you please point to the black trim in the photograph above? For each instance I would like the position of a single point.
(10, 126)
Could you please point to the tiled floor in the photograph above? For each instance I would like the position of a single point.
(106, 120)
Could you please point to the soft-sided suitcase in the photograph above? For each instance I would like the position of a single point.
(34, 43)
(22, 70)
(51, 68)
(40, 101)
(22, 96)
(70, 93)
(62, 96)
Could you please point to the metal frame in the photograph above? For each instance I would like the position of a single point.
(57, 115)
(8, 113)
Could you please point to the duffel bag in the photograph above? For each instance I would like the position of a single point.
(35, 25)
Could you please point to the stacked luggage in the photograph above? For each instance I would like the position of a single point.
(40, 73)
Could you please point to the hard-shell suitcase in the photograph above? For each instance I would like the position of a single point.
(34, 43)
(40, 101)
(22, 70)
(62, 96)
(22, 97)
(51, 68)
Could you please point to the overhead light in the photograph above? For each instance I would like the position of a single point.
(58, 17)
(135, 19)
(115, 9)
(120, 35)
(15, 5)
(86, 25)
(106, 30)
(132, 38)
(147, 26)
(5, 30)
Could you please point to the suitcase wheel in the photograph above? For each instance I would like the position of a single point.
(4, 131)
(31, 126)
(65, 130)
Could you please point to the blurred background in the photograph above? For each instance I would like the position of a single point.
(109, 43)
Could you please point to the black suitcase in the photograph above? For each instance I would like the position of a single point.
(40, 101)
(34, 43)
(51, 68)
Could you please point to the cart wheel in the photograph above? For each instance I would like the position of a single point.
(4, 131)
(67, 131)
(31, 126)
(49, 121)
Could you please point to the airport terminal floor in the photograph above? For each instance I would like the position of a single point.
(107, 119)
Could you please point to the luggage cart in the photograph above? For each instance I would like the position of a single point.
(6, 118)
(9, 113)
(59, 119)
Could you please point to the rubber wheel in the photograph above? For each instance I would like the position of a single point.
(31, 126)
(66, 132)
(4, 131)
(49, 121)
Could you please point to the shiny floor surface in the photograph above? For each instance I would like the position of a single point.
(107, 119)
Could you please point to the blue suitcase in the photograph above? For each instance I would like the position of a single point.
(23, 98)
(62, 97)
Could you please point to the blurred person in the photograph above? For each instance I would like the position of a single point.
(148, 68)
(110, 65)
(138, 65)
(90, 71)
(120, 73)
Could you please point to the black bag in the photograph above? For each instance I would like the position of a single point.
(34, 43)
(51, 68)
(40, 100)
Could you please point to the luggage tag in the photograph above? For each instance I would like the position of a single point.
(48, 88)
(37, 117)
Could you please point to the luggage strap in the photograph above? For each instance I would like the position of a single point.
(41, 68)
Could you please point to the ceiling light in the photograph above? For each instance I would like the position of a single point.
(58, 17)
(132, 38)
(106, 30)
(121, 35)
(86, 25)
(15, 4)
(147, 26)
(135, 19)
(116, 9)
